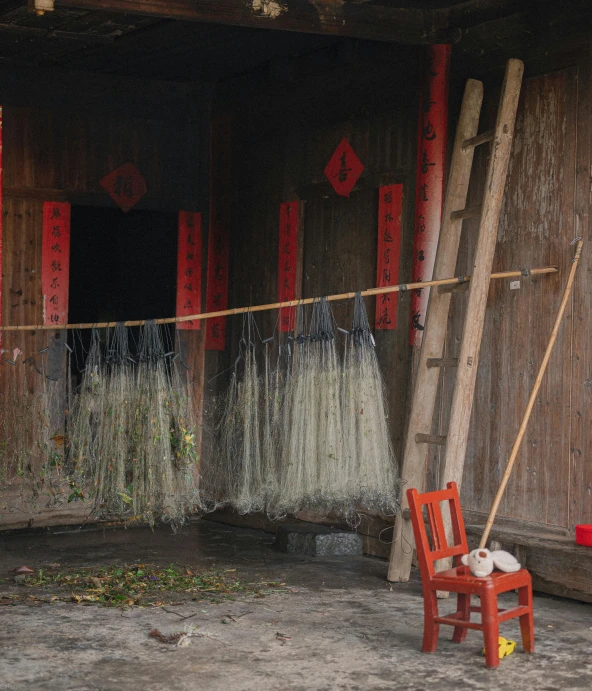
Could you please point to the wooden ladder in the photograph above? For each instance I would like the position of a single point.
(434, 336)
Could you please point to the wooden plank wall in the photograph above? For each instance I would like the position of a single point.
(549, 484)
(59, 147)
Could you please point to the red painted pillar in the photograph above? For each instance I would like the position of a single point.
(1, 219)
(431, 161)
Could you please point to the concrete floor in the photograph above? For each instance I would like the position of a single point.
(343, 626)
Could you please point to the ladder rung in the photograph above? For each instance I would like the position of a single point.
(442, 362)
(478, 140)
(430, 439)
(466, 213)
(453, 287)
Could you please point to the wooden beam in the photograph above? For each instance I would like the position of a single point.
(330, 17)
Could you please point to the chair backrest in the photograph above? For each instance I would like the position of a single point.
(428, 553)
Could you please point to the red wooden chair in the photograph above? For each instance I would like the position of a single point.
(460, 580)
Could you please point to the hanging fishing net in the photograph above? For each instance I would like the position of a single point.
(304, 428)
(370, 461)
(33, 475)
(132, 431)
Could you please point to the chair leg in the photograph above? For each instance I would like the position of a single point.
(490, 621)
(430, 628)
(460, 632)
(526, 620)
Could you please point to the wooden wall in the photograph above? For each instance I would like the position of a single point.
(62, 134)
(545, 207)
(284, 134)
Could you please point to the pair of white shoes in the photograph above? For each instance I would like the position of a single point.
(481, 562)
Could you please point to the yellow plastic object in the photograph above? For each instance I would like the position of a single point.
(505, 647)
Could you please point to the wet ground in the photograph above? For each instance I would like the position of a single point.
(336, 624)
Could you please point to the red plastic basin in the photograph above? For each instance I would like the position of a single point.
(584, 535)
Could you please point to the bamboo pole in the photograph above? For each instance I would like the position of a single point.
(533, 395)
(281, 305)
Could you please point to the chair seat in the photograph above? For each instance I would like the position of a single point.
(460, 579)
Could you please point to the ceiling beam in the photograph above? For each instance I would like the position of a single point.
(349, 18)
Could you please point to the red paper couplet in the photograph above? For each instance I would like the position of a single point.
(287, 263)
(217, 287)
(55, 262)
(390, 207)
(189, 269)
(344, 168)
(431, 152)
(125, 185)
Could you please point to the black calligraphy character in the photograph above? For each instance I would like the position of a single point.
(421, 226)
(421, 255)
(287, 248)
(217, 299)
(55, 232)
(55, 213)
(286, 320)
(428, 132)
(386, 275)
(287, 266)
(54, 300)
(56, 248)
(423, 192)
(385, 298)
(189, 256)
(388, 198)
(415, 321)
(387, 237)
(56, 266)
(123, 186)
(219, 271)
(384, 318)
(189, 287)
(343, 169)
(418, 292)
(425, 162)
(388, 217)
(55, 318)
(54, 283)
(190, 240)
(190, 222)
(216, 330)
(387, 255)
(188, 272)
(187, 304)
(286, 284)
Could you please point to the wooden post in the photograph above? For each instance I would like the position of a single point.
(533, 395)
(426, 384)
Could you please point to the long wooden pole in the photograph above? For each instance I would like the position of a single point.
(533, 395)
(280, 305)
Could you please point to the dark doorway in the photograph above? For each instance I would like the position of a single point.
(122, 266)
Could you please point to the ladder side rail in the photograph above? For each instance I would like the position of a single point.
(468, 360)
(426, 385)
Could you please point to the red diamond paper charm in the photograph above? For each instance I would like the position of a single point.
(344, 168)
(125, 185)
